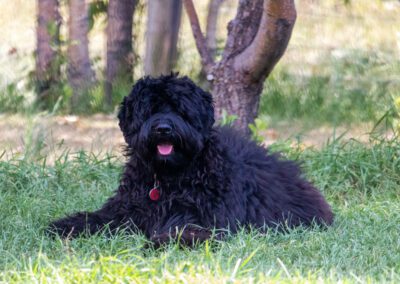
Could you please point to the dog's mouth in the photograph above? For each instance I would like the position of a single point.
(165, 149)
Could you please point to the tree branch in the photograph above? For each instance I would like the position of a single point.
(201, 43)
(271, 40)
(243, 28)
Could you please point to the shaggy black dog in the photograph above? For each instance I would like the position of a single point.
(184, 174)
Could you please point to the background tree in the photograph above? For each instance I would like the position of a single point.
(47, 33)
(211, 36)
(80, 73)
(257, 38)
(119, 43)
(211, 27)
(164, 18)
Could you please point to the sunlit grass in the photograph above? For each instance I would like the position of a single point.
(351, 88)
(361, 182)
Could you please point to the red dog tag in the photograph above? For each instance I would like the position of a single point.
(154, 194)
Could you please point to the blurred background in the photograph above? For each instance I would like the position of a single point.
(340, 72)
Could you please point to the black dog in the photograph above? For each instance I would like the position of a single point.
(185, 174)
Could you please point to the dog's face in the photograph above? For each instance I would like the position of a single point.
(166, 120)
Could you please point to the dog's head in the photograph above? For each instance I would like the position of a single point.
(166, 120)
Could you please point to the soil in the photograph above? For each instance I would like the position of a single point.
(100, 134)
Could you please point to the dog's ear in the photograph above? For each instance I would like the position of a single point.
(130, 115)
(124, 117)
(209, 118)
(207, 113)
(201, 100)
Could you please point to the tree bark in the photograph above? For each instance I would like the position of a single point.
(47, 34)
(257, 38)
(80, 73)
(232, 92)
(119, 43)
(164, 18)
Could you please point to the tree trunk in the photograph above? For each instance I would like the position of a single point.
(80, 73)
(257, 38)
(233, 93)
(164, 17)
(47, 32)
(231, 89)
(119, 43)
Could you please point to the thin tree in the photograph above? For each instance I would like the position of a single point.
(211, 27)
(47, 34)
(80, 73)
(211, 36)
(257, 39)
(164, 18)
(119, 43)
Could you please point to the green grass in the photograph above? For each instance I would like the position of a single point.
(358, 87)
(361, 182)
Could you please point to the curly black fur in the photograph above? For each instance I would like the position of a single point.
(213, 177)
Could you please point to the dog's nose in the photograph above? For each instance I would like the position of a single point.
(163, 129)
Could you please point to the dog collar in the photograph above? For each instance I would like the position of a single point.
(155, 192)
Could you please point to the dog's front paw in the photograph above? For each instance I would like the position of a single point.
(65, 228)
(61, 229)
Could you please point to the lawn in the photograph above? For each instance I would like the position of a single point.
(361, 182)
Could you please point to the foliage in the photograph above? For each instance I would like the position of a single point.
(97, 9)
(227, 119)
(353, 88)
(257, 128)
(11, 99)
(362, 246)
(396, 110)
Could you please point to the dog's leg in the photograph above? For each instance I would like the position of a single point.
(82, 222)
(88, 222)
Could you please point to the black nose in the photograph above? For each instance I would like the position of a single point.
(163, 129)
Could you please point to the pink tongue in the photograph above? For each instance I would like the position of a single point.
(165, 149)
